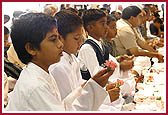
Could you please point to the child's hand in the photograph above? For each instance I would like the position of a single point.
(110, 86)
(126, 64)
(114, 94)
(102, 77)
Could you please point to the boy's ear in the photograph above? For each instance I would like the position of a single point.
(89, 27)
(30, 50)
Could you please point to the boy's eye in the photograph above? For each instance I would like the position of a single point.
(53, 40)
(76, 38)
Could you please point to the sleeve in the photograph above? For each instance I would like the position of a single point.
(88, 57)
(88, 98)
(127, 38)
(61, 74)
(38, 102)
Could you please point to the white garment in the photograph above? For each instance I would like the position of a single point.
(36, 90)
(88, 56)
(69, 70)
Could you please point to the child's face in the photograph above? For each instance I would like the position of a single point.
(100, 27)
(50, 50)
(112, 30)
(73, 41)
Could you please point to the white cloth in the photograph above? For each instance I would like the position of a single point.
(36, 90)
(69, 70)
(141, 63)
(87, 56)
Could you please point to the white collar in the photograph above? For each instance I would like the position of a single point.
(68, 57)
(36, 69)
(98, 42)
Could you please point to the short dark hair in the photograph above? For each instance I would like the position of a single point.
(110, 18)
(146, 10)
(130, 11)
(67, 22)
(92, 15)
(81, 12)
(72, 10)
(30, 28)
(158, 20)
(6, 30)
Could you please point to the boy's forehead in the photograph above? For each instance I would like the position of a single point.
(98, 20)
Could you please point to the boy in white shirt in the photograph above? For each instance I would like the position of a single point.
(70, 28)
(95, 23)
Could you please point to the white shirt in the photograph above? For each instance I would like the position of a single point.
(69, 70)
(36, 90)
(88, 56)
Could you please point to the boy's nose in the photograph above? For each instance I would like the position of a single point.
(60, 45)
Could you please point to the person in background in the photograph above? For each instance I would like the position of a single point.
(50, 9)
(155, 28)
(127, 41)
(116, 14)
(108, 41)
(105, 11)
(6, 42)
(6, 18)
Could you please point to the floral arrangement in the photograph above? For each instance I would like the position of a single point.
(110, 65)
(119, 83)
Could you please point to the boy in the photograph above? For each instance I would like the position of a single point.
(92, 53)
(37, 44)
(70, 28)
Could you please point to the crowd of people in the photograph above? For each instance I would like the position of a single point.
(56, 61)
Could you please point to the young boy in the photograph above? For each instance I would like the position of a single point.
(92, 53)
(70, 28)
(37, 44)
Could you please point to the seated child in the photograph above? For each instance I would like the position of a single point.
(93, 54)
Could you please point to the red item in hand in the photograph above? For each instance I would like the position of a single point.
(110, 65)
